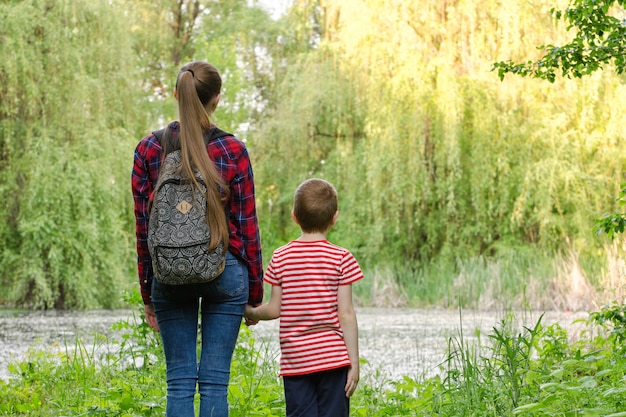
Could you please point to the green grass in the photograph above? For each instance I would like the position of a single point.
(536, 371)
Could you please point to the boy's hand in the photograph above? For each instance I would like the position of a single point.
(353, 380)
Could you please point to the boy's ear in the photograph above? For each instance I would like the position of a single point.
(334, 217)
(295, 219)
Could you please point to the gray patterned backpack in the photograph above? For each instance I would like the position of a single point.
(178, 233)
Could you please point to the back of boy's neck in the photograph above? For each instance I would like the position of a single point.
(311, 237)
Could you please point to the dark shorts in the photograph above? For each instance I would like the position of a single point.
(320, 394)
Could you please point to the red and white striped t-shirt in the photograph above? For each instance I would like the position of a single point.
(310, 273)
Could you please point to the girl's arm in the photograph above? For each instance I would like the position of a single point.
(145, 173)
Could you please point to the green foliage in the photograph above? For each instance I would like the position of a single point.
(613, 223)
(255, 389)
(535, 372)
(599, 41)
(67, 106)
(612, 318)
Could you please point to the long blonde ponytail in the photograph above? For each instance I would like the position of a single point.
(198, 86)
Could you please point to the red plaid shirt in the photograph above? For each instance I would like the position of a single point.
(231, 159)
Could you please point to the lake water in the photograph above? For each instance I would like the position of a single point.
(394, 342)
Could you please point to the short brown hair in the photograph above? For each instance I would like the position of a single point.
(314, 205)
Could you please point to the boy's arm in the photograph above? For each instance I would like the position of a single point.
(268, 311)
(349, 326)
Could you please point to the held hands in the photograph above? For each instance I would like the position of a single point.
(249, 317)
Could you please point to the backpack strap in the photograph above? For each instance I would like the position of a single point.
(158, 134)
(215, 133)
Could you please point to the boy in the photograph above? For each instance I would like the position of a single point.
(311, 283)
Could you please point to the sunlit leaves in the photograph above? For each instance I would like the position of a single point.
(599, 40)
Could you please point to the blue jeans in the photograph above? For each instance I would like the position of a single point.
(221, 303)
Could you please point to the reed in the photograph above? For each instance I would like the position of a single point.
(511, 280)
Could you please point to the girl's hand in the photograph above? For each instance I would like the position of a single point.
(150, 316)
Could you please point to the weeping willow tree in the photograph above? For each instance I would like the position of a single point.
(433, 156)
(68, 105)
(80, 83)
